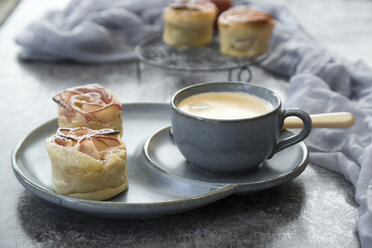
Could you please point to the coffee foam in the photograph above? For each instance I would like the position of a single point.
(225, 105)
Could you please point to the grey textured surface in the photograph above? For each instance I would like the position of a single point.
(317, 209)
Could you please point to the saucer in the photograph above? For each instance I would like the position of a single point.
(155, 189)
(163, 154)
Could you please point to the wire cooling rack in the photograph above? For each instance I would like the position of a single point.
(153, 51)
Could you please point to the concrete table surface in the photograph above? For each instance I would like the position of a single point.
(317, 209)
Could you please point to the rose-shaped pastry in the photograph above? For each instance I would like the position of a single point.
(90, 106)
(88, 164)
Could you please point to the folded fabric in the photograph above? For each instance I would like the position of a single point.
(97, 31)
(91, 31)
(321, 82)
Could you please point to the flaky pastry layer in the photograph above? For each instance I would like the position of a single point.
(88, 166)
(189, 24)
(244, 32)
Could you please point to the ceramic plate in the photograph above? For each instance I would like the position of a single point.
(162, 153)
(157, 185)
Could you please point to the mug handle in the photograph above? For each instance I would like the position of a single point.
(304, 116)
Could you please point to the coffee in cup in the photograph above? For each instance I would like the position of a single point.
(225, 141)
(225, 105)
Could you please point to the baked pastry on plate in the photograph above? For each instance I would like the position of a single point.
(189, 23)
(90, 106)
(244, 32)
(88, 164)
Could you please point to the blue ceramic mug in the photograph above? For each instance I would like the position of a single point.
(236, 145)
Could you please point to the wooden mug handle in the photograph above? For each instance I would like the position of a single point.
(329, 120)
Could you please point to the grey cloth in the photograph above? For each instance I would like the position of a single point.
(91, 31)
(320, 82)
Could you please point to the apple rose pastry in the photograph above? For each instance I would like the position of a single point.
(88, 164)
(244, 32)
(90, 106)
(189, 23)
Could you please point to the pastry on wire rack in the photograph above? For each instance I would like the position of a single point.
(244, 32)
(189, 23)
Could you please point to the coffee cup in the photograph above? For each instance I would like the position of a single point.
(231, 143)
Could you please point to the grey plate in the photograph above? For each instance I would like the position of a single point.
(162, 153)
(152, 192)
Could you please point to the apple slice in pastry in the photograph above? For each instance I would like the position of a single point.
(88, 164)
(90, 106)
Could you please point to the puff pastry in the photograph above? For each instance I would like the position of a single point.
(189, 23)
(90, 106)
(88, 164)
(244, 32)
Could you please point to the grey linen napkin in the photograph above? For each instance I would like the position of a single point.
(320, 82)
(91, 31)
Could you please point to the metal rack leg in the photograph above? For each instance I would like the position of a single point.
(138, 70)
(240, 73)
(248, 70)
